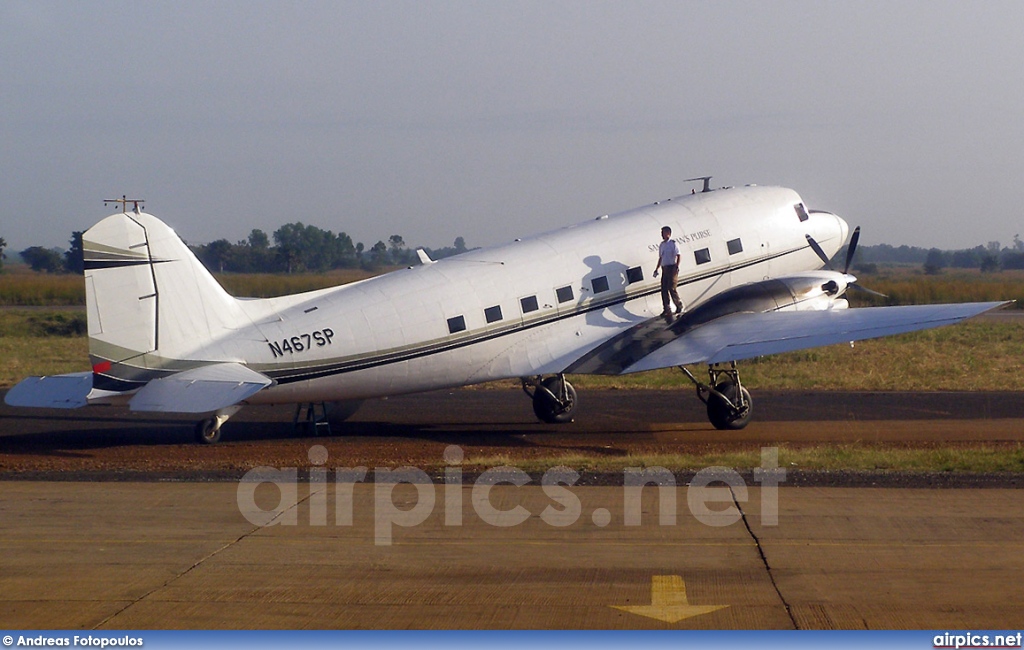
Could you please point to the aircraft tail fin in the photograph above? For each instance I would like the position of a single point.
(148, 299)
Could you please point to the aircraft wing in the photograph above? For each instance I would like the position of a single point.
(200, 390)
(744, 335)
(52, 392)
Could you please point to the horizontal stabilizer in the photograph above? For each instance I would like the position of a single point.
(200, 390)
(747, 335)
(54, 392)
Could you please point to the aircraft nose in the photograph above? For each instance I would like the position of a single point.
(844, 229)
(831, 231)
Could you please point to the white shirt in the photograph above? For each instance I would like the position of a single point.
(668, 251)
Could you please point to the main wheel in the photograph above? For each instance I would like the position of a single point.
(551, 410)
(207, 431)
(721, 415)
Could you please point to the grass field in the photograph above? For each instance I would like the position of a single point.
(20, 287)
(859, 457)
(910, 286)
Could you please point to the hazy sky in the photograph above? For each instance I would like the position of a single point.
(492, 120)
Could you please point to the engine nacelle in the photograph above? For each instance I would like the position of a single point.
(811, 291)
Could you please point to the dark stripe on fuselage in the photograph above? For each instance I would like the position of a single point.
(92, 265)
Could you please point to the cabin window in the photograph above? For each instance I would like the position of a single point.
(600, 284)
(703, 256)
(529, 303)
(635, 274)
(801, 212)
(456, 324)
(493, 314)
(564, 294)
(735, 246)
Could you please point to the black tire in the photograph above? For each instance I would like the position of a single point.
(547, 409)
(721, 415)
(207, 432)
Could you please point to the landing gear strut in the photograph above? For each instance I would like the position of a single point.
(554, 399)
(729, 404)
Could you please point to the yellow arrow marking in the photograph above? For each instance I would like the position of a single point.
(668, 602)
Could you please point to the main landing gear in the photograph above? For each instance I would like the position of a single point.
(729, 404)
(554, 398)
(208, 430)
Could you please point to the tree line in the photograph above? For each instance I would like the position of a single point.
(296, 248)
(51, 260)
(990, 258)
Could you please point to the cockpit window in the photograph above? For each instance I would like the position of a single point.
(801, 211)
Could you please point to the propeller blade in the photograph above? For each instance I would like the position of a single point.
(857, 287)
(817, 250)
(852, 248)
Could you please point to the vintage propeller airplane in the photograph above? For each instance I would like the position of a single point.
(164, 336)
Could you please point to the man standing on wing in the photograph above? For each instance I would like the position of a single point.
(668, 261)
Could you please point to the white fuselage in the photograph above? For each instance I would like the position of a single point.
(506, 311)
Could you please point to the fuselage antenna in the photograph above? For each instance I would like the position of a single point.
(706, 179)
(124, 201)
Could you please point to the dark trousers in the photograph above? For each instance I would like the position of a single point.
(669, 277)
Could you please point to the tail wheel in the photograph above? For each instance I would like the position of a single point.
(554, 401)
(208, 431)
(728, 417)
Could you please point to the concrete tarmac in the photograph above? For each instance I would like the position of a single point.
(154, 553)
(115, 555)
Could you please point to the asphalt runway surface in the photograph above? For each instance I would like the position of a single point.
(416, 429)
(112, 520)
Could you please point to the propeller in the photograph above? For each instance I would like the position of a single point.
(817, 249)
(850, 250)
(863, 289)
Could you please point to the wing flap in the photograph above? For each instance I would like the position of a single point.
(69, 391)
(747, 335)
(200, 390)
